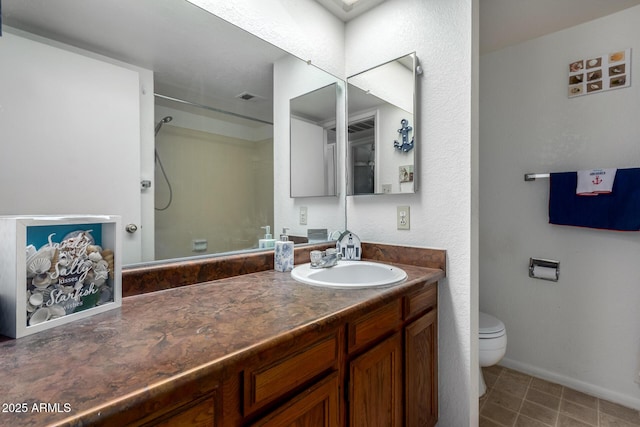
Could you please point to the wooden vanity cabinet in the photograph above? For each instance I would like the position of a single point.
(394, 381)
(378, 369)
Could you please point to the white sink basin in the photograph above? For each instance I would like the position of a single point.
(350, 275)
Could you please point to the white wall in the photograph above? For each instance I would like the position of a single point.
(582, 331)
(440, 32)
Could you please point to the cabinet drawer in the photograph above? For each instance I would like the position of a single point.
(317, 406)
(421, 301)
(374, 325)
(199, 413)
(266, 383)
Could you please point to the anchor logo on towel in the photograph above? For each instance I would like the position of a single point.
(597, 180)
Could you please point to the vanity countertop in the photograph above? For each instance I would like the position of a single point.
(94, 366)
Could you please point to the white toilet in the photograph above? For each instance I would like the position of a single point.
(493, 344)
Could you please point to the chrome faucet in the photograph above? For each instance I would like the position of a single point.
(326, 259)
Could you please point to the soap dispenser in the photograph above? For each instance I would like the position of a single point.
(283, 254)
(268, 241)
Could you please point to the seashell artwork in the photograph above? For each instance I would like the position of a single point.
(603, 73)
(68, 276)
(54, 267)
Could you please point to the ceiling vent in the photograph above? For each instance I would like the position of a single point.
(246, 96)
(359, 126)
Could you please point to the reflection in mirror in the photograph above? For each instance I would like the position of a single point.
(381, 154)
(96, 80)
(210, 164)
(313, 143)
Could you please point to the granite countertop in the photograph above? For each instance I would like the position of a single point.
(93, 365)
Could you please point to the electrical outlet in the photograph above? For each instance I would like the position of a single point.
(403, 218)
(303, 215)
(386, 188)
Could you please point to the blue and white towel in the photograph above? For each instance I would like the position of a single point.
(618, 210)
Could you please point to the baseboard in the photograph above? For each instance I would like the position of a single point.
(593, 390)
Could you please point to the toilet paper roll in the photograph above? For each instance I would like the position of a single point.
(541, 272)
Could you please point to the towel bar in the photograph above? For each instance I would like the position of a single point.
(534, 176)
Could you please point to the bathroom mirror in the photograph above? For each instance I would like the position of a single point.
(382, 142)
(218, 150)
(313, 143)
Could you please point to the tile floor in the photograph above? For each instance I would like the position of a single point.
(519, 400)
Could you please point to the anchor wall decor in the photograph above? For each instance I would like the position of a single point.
(405, 145)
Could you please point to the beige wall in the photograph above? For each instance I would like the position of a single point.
(200, 165)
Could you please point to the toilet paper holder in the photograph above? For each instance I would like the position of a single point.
(545, 269)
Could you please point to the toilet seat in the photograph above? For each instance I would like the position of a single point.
(489, 327)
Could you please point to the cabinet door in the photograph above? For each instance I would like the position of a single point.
(421, 376)
(375, 386)
(315, 407)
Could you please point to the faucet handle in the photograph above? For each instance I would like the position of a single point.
(315, 257)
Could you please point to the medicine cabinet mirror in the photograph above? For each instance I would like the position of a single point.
(205, 85)
(313, 143)
(382, 133)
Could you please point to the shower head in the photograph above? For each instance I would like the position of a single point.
(162, 121)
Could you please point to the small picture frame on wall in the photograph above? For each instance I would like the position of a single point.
(600, 73)
(405, 173)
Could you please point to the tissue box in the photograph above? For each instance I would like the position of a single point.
(56, 269)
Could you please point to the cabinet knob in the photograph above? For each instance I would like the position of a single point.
(131, 228)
